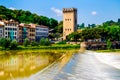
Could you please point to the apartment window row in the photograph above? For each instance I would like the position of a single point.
(11, 29)
(14, 33)
(39, 33)
(32, 30)
(32, 34)
(21, 28)
(67, 19)
(41, 29)
(11, 24)
(9, 37)
(67, 29)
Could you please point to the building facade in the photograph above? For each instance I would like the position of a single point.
(31, 32)
(23, 30)
(41, 32)
(11, 29)
(69, 21)
(1, 29)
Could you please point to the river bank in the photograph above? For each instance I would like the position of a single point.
(53, 47)
(36, 51)
(110, 51)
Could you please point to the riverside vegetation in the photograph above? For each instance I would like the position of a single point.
(6, 44)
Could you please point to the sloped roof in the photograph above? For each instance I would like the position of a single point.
(42, 26)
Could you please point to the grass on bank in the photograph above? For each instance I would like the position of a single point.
(111, 50)
(36, 51)
(53, 46)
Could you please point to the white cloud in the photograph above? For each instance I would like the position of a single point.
(93, 12)
(57, 11)
(12, 8)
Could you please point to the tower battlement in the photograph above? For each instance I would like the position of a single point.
(69, 9)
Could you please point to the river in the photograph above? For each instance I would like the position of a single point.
(69, 65)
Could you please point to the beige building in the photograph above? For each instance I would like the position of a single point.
(23, 32)
(32, 32)
(69, 21)
(26, 31)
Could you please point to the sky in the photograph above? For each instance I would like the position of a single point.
(89, 11)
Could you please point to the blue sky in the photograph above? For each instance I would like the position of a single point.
(89, 11)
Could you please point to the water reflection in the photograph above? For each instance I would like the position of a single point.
(51, 71)
(20, 64)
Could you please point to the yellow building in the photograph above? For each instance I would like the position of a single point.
(69, 21)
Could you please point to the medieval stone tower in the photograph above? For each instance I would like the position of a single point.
(69, 21)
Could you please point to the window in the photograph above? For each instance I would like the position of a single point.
(15, 29)
(8, 33)
(0, 31)
(20, 28)
(5, 28)
(37, 28)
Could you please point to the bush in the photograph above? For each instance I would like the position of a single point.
(44, 42)
(62, 42)
(26, 42)
(47, 42)
(13, 44)
(5, 43)
(34, 43)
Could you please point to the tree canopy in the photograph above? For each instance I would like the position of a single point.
(27, 17)
(108, 30)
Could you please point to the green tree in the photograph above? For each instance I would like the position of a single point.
(34, 43)
(47, 42)
(73, 36)
(82, 26)
(91, 33)
(4, 43)
(44, 21)
(44, 42)
(109, 44)
(60, 27)
(13, 44)
(2, 17)
(53, 23)
(26, 42)
(51, 36)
